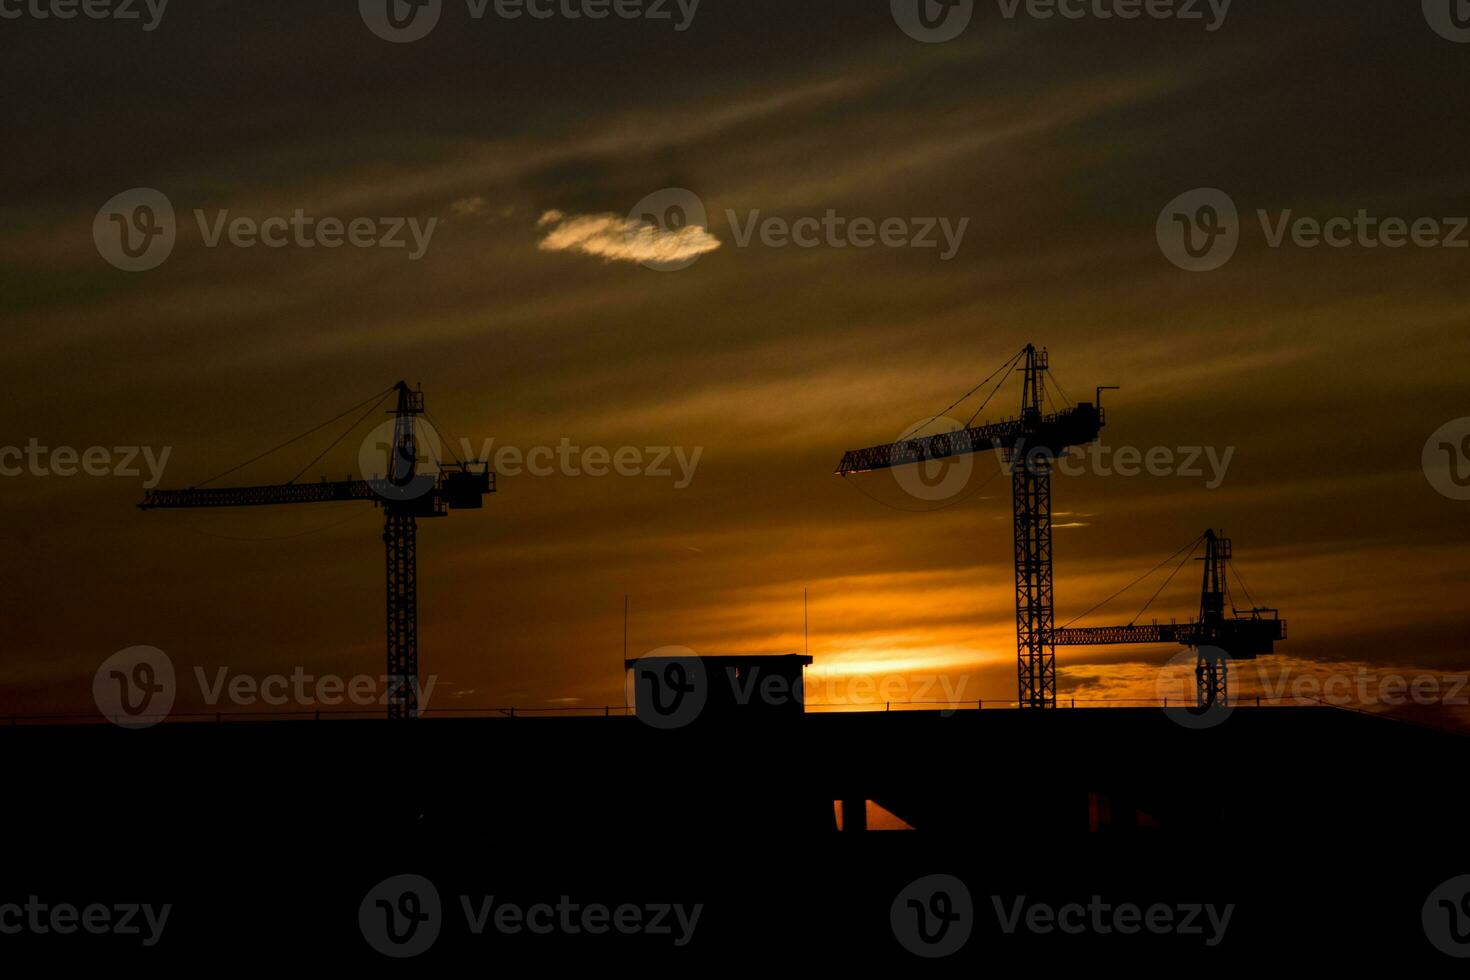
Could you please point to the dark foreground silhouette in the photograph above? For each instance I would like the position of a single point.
(1323, 830)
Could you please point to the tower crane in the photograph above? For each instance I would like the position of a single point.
(1216, 638)
(405, 495)
(1029, 443)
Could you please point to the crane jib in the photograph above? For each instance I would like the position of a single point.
(1051, 433)
(263, 496)
(457, 489)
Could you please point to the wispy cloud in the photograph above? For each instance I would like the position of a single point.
(466, 206)
(617, 238)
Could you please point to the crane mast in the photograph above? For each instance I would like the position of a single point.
(405, 494)
(1036, 656)
(1029, 444)
(1211, 670)
(1215, 637)
(400, 539)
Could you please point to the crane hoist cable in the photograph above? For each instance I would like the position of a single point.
(1184, 561)
(375, 398)
(365, 416)
(1059, 399)
(967, 394)
(998, 385)
(1247, 589)
(449, 446)
(1060, 390)
(1190, 547)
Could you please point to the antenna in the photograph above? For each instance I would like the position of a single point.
(806, 633)
(624, 662)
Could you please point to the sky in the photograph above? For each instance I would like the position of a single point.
(1044, 159)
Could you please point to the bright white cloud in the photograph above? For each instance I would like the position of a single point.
(618, 238)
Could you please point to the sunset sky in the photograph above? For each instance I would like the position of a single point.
(529, 320)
